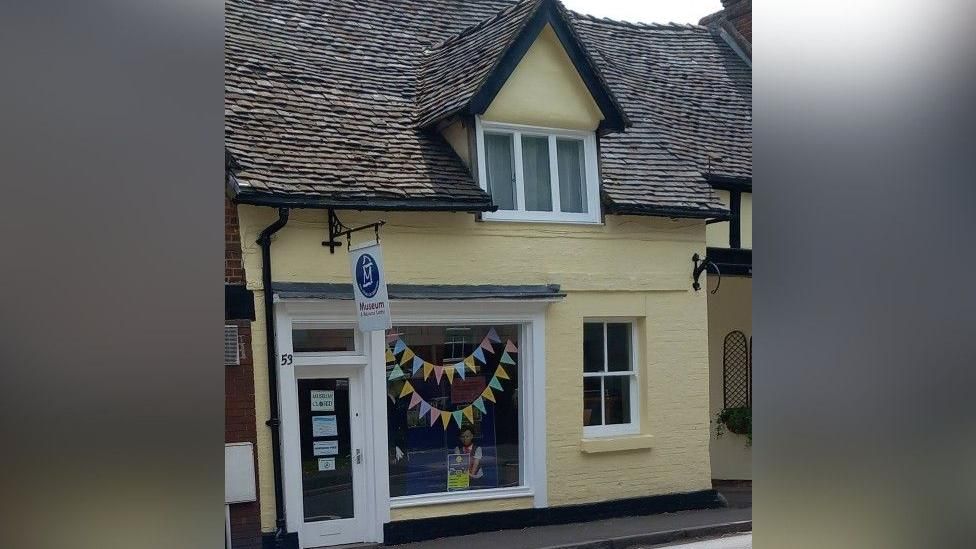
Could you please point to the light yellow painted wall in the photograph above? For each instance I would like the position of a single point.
(632, 266)
(717, 234)
(545, 90)
(745, 221)
(457, 136)
(729, 309)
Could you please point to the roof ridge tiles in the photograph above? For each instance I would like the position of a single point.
(638, 24)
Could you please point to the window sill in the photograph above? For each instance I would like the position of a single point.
(616, 444)
(522, 217)
(456, 497)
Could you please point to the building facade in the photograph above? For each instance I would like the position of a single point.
(543, 179)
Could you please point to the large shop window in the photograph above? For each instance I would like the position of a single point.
(610, 390)
(453, 408)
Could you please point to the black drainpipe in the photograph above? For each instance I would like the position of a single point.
(269, 329)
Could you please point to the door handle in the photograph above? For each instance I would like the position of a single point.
(359, 456)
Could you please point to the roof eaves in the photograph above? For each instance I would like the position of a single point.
(372, 204)
(668, 211)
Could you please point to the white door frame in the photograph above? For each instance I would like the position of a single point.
(369, 518)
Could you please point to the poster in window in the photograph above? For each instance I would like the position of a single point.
(325, 447)
(323, 401)
(457, 472)
(324, 426)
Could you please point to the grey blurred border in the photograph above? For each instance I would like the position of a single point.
(864, 312)
(111, 147)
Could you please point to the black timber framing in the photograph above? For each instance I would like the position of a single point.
(614, 118)
(406, 531)
(731, 262)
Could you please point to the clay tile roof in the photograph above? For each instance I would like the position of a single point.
(454, 69)
(324, 104)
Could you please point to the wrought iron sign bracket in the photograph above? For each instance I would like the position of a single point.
(701, 263)
(337, 229)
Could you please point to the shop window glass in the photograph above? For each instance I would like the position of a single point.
(319, 340)
(452, 408)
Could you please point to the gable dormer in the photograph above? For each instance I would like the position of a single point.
(520, 100)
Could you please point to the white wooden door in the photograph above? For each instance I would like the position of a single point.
(330, 458)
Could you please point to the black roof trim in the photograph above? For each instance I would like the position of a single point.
(741, 184)
(614, 118)
(328, 290)
(684, 213)
(372, 204)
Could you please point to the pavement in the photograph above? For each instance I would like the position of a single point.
(622, 533)
(734, 541)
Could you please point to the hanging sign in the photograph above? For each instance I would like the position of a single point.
(369, 287)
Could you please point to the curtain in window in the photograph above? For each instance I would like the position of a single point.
(500, 163)
(572, 178)
(535, 171)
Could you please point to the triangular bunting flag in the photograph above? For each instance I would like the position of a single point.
(396, 373)
(428, 368)
(478, 353)
(399, 346)
(493, 335)
(446, 419)
(391, 337)
(459, 368)
(469, 362)
(418, 363)
(469, 413)
(389, 356)
(488, 394)
(449, 372)
(510, 347)
(424, 407)
(494, 384)
(500, 372)
(414, 400)
(407, 389)
(435, 414)
(480, 404)
(406, 356)
(486, 345)
(507, 359)
(438, 372)
(457, 417)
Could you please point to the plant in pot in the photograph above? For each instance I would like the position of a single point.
(737, 420)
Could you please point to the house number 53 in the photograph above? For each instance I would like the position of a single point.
(287, 359)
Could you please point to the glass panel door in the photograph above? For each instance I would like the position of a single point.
(327, 452)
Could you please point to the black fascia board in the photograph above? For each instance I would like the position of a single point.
(614, 118)
(665, 211)
(378, 204)
(730, 183)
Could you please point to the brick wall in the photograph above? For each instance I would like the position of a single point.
(739, 13)
(239, 420)
(233, 269)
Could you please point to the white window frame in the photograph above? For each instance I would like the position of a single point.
(632, 428)
(593, 214)
(316, 357)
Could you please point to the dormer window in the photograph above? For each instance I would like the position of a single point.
(538, 174)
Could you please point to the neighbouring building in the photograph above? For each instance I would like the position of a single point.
(730, 307)
(544, 179)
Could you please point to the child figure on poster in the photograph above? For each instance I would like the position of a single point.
(469, 448)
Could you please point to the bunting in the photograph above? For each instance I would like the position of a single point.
(409, 361)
